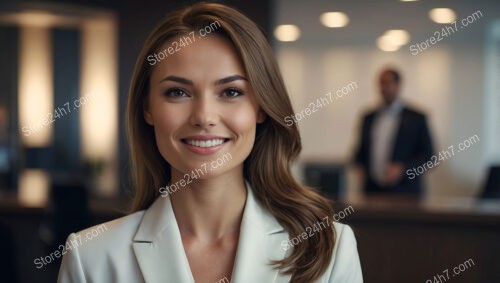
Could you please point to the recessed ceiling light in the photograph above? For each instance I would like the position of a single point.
(287, 33)
(442, 15)
(386, 43)
(398, 36)
(334, 19)
(408, 0)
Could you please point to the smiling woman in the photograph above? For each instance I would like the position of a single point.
(221, 95)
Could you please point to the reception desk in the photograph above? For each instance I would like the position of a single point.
(439, 240)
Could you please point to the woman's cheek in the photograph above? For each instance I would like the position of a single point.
(165, 127)
(169, 119)
(242, 119)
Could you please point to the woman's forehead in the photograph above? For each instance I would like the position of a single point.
(212, 56)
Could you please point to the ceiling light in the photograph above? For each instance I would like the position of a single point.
(334, 19)
(442, 15)
(287, 33)
(398, 36)
(386, 43)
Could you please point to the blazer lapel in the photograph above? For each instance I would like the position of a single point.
(161, 257)
(399, 134)
(260, 242)
(158, 246)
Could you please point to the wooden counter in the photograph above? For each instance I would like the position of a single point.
(409, 240)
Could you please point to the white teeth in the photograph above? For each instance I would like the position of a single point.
(205, 143)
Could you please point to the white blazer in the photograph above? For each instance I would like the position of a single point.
(146, 246)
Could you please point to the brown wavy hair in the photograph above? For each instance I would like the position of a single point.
(267, 168)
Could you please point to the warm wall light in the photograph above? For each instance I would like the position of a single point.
(334, 19)
(33, 187)
(37, 18)
(442, 15)
(99, 85)
(35, 86)
(287, 33)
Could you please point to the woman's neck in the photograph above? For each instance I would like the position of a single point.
(211, 209)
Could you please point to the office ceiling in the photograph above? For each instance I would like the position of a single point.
(370, 18)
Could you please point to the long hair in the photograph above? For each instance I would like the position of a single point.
(267, 168)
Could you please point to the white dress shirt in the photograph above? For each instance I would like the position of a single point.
(385, 126)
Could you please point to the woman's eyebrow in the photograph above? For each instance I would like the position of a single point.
(217, 82)
(178, 79)
(230, 79)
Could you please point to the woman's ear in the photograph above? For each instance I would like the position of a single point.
(261, 116)
(148, 117)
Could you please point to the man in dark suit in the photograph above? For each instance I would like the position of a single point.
(394, 139)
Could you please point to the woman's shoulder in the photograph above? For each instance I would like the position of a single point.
(345, 265)
(345, 242)
(105, 235)
(102, 253)
(343, 232)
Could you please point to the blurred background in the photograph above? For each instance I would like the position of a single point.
(65, 69)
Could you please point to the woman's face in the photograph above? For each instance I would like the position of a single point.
(202, 108)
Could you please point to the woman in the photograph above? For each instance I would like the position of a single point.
(215, 199)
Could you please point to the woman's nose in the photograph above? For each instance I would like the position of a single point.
(204, 112)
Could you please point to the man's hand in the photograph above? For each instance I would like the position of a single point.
(393, 173)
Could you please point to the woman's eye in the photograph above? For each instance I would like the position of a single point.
(232, 92)
(176, 92)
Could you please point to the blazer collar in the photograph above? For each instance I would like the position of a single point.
(161, 257)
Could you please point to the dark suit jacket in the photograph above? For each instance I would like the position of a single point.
(412, 147)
